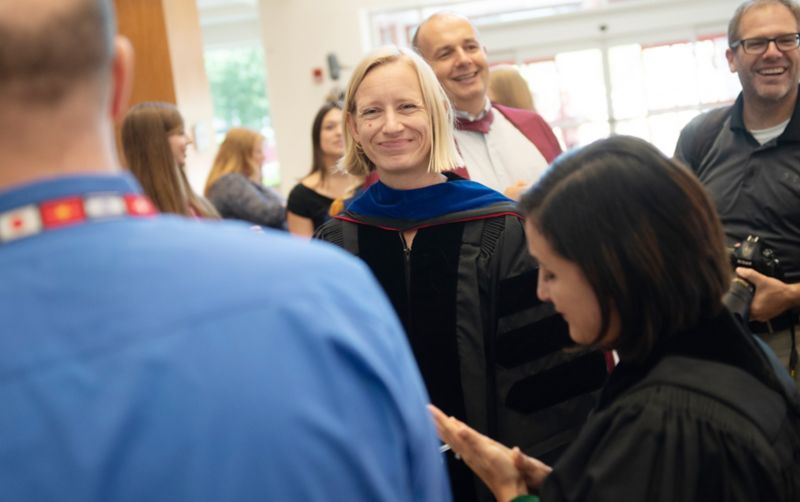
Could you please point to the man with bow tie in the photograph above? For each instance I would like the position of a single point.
(504, 148)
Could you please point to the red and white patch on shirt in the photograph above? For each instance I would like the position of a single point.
(20, 222)
(52, 214)
(62, 212)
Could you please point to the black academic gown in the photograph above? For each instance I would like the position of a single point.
(704, 419)
(489, 351)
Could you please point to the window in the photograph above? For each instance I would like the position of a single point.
(653, 90)
(656, 90)
(237, 78)
(601, 84)
(570, 94)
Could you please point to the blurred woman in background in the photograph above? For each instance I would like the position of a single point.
(507, 87)
(310, 200)
(154, 144)
(234, 184)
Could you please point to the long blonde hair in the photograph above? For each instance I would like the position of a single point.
(235, 155)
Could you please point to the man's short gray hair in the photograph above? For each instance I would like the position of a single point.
(733, 25)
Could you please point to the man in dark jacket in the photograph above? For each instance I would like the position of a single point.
(748, 156)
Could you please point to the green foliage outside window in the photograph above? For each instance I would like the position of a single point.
(238, 87)
(237, 77)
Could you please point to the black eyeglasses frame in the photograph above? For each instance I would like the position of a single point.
(745, 42)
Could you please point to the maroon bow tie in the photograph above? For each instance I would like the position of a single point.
(481, 125)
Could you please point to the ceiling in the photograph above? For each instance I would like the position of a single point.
(228, 23)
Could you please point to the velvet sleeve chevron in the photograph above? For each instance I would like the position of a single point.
(544, 385)
(330, 231)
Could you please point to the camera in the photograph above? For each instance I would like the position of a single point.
(750, 253)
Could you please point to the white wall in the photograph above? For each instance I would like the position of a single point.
(298, 34)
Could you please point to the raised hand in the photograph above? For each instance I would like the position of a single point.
(491, 461)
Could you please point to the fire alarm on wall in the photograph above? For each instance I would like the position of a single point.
(316, 74)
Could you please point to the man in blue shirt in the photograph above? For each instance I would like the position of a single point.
(147, 357)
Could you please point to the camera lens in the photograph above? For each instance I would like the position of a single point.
(737, 299)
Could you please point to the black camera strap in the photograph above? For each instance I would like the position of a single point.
(793, 354)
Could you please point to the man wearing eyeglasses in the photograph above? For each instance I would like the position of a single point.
(748, 156)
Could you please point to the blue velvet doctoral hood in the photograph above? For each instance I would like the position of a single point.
(420, 204)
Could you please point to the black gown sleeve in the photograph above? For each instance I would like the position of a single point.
(669, 445)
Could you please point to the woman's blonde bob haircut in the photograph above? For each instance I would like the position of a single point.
(443, 156)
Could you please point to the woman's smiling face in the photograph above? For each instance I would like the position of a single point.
(390, 121)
